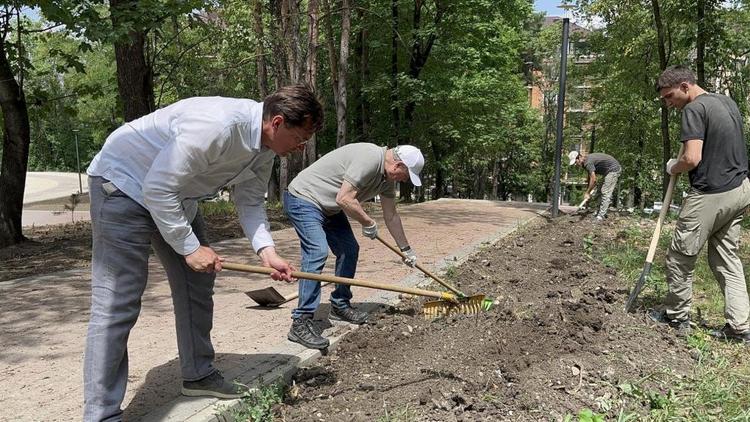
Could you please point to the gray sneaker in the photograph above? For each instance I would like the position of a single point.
(682, 328)
(214, 385)
(304, 332)
(727, 333)
(348, 314)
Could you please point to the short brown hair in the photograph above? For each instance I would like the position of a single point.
(673, 76)
(296, 103)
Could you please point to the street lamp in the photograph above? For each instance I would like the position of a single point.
(78, 164)
(560, 109)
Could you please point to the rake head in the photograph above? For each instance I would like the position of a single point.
(463, 305)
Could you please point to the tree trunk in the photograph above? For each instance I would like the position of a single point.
(260, 59)
(395, 112)
(135, 82)
(291, 165)
(362, 52)
(343, 68)
(281, 76)
(311, 72)
(291, 29)
(700, 44)
(666, 145)
(16, 139)
(420, 51)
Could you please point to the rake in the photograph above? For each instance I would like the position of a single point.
(488, 301)
(447, 304)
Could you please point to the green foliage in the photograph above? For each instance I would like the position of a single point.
(585, 415)
(258, 405)
(217, 208)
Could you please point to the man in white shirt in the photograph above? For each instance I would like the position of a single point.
(145, 185)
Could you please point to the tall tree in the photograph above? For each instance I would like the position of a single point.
(395, 108)
(16, 131)
(339, 66)
(134, 73)
(311, 73)
(663, 62)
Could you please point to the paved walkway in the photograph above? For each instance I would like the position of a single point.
(43, 319)
(47, 193)
(43, 186)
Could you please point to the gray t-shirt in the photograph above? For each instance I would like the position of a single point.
(362, 165)
(601, 164)
(715, 119)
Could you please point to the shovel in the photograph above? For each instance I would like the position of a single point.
(271, 298)
(654, 241)
(447, 303)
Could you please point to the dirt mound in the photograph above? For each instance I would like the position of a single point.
(559, 341)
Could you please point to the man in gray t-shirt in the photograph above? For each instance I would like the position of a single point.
(715, 155)
(319, 203)
(598, 164)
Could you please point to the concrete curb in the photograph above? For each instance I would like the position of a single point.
(293, 356)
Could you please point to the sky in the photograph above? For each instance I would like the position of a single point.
(549, 6)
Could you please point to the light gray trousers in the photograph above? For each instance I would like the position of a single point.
(608, 188)
(123, 233)
(716, 219)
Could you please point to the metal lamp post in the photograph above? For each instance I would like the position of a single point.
(78, 163)
(560, 110)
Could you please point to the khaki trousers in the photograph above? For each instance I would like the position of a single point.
(714, 218)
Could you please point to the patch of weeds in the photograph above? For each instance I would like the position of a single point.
(258, 405)
(585, 415)
(588, 245)
(217, 208)
(451, 272)
(400, 415)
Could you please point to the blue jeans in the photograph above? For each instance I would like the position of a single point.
(317, 232)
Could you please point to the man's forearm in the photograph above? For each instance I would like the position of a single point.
(353, 209)
(397, 230)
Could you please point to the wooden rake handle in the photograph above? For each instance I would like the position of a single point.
(421, 268)
(341, 280)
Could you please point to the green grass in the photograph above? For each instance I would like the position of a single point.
(258, 405)
(223, 207)
(718, 389)
(217, 208)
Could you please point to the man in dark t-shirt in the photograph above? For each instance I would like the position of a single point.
(715, 156)
(605, 165)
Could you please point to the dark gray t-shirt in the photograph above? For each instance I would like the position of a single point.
(716, 120)
(601, 163)
(361, 164)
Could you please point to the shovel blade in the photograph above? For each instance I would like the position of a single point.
(268, 297)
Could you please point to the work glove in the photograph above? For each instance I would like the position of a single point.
(671, 164)
(411, 256)
(370, 231)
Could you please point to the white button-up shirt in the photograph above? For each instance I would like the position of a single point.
(170, 159)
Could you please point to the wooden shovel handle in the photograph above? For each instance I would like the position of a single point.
(420, 268)
(663, 212)
(341, 280)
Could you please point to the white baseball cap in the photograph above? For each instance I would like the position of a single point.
(413, 159)
(572, 155)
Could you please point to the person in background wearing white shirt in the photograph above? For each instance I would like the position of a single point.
(145, 185)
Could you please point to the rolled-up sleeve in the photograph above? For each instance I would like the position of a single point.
(193, 148)
(249, 198)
